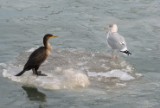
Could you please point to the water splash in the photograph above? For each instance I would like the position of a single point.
(69, 69)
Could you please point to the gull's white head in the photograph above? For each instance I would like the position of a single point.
(113, 28)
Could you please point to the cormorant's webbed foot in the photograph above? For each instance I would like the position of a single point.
(39, 73)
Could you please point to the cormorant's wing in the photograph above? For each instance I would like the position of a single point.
(37, 57)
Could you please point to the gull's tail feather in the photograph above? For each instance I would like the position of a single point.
(126, 52)
(19, 74)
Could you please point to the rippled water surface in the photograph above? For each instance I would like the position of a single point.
(81, 72)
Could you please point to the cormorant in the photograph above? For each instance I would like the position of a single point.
(38, 57)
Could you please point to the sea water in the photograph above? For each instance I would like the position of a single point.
(80, 71)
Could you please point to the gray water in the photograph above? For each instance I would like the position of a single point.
(80, 56)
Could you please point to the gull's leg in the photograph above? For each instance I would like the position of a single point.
(114, 55)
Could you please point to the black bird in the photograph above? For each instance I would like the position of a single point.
(38, 57)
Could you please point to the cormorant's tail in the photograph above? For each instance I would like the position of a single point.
(126, 52)
(19, 74)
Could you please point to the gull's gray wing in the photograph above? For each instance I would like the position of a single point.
(116, 41)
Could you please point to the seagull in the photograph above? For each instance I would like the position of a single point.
(116, 41)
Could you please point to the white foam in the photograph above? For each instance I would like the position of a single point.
(31, 49)
(70, 78)
(124, 76)
(76, 79)
(65, 69)
(3, 65)
(138, 75)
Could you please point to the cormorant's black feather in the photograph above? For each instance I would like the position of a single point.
(37, 58)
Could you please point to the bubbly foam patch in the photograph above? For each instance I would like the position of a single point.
(68, 78)
(69, 69)
(3, 65)
(112, 74)
(31, 50)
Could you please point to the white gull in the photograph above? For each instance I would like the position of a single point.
(116, 41)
